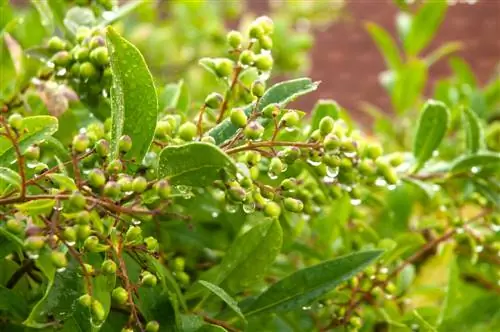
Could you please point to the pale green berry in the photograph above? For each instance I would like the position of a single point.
(69, 234)
(85, 300)
(163, 129)
(291, 119)
(163, 189)
(80, 53)
(96, 42)
(32, 152)
(125, 182)
(88, 71)
(15, 121)
(82, 218)
(34, 243)
(238, 118)
(264, 62)
(97, 311)
(56, 44)
(96, 177)
(119, 295)
(272, 209)
(99, 56)
(253, 130)
(77, 200)
(14, 226)
(149, 280)
(276, 165)
(255, 30)
(293, 205)
(82, 231)
(114, 167)
(151, 243)
(234, 39)
(139, 184)
(108, 267)
(58, 259)
(125, 143)
(133, 234)
(266, 42)
(247, 57)
(91, 243)
(373, 151)
(179, 263)
(258, 88)
(331, 142)
(81, 142)
(187, 131)
(266, 24)
(326, 125)
(270, 111)
(214, 100)
(152, 326)
(61, 58)
(224, 67)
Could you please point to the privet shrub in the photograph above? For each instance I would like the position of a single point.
(126, 206)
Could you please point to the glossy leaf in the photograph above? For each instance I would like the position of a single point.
(386, 45)
(281, 93)
(303, 287)
(479, 160)
(431, 129)
(408, 85)
(134, 103)
(34, 130)
(221, 293)
(63, 181)
(474, 133)
(193, 164)
(10, 177)
(77, 17)
(424, 26)
(175, 97)
(324, 108)
(36, 207)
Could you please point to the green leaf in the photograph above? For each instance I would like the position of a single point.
(479, 160)
(77, 17)
(474, 133)
(451, 304)
(463, 71)
(176, 97)
(386, 45)
(211, 328)
(46, 16)
(408, 85)
(34, 130)
(193, 164)
(13, 303)
(134, 103)
(324, 107)
(223, 296)
(281, 93)
(64, 181)
(304, 286)
(10, 177)
(424, 26)
(36, 207)
(443, 51)
(120, 13)
(431, 129)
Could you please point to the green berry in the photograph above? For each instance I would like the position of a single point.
(80, 142)
(373, 151)
(34, 243)
(151, 243)
(266, 42)
(258, 88)
(102, 147)
(82, 33)
(293, 205)
(179, 264)
(264, 62)
(331, 142)
(291, 154)
(97, 311)
(96, 42)
(139, 184)
(88, 71)
(271, 111)
(69, 234)
(208, 140)
(163, 129)
(266, 24)
(85, 300)
(119, 295)
(347, 145)
(108, 267)
(97, 179)
(276, 165)
(125, 182)
(255, 30)
(77, 200)
(183, 277)
(247, 58)
(152, 326)
(291, 119)
(56, 44)
(14, 226)
(238, 118)
(114, 167)
(82, 218)
(112, 189)
(100, 56)
(234, 39)
(288, 184)
(61, 58)
(91, 243)
(75, 70)
(150, 160)
(272, 209)
(214, 100)
(32, 153)
(237, 193)
(187, 131)
(163, 189)
(252, 158)
(58, 259)
(224, 67)
(80, 53)
(133, 234)
(15, 121)
(326, 125)
(125, 143)
(149, 280)
(396, 159)
(253, 130)
(82, 231)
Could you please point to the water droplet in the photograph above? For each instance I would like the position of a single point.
(249, 207)
(475, 170)
(479, 249)
(391, 187)
(182, 189)
(435, 153)
(495, 228)
(313, 162)
(61, 269)
(215, 214)
(33, 255)
(328, 180)
(380, 182)
(350, 154)
(231, 208)
(136, 222)
(57, 208)
(306, 308)
(290, 129)
(355, 202)
(272, 176)
(70, 243)
(332, 171)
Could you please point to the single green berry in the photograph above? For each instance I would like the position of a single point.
(82, 33)
(15, 121)
(112, 189)
(82, 231)
(133, 234)
(255, 30)
(96, 42)
(97, 311)
(14, 226)
(252, 158)
(82, 218)
(163, 129)
(373, 151)
(56, 44)
(150, 160)
(179, 264)
(214, 100)
(108, 267)
(32, 153)
(264, 62)
(266, 23)
(125, 143)
(237, 193)
(272, 209)
(258, 88)
(396, 159)
(182, 277)
(61, 58)
(293, 205)
(100, 56)
(88, 71)
(139, 184)
(75, 70)
(91, 243)
(172, 120)
(347, 145)
(253, 130)
(149, 280)
(187, 131)
(266, 42)
(163, 189)
(80, 53)
(208, 140)
(291, 119)
(115, 166)
(119, 295)
(69, 234)
(34, 243)
(102, 147)
(234, 39)
(326, 125)
(85, 300)
(152, 326)
(80, 142)
(276, 166)
(331, 160)
(288, 184)
(96, 177)
(151, 243)
(291, 154)
(238, 118)
(247, 58)
(58, 259)
(224, 67)
(331, 142)
(77, 200)
(271, 111)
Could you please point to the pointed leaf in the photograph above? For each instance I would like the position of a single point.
(134, 103)
(303, 287)
(223, 296)
(37, 207)
(386, 45)
(474, 134)
(46, 16)
(431, 129)
(9, 177)
(479, 160)
(193, 164)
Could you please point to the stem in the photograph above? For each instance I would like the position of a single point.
(223, 107)
(200, 118)
(220, 323)
(270, 144)
(19, 156)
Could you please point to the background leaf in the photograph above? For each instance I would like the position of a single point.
(481, 159)
(223, 296)
(386, 45)
(10, 177)
(474, 133)
(324, 108)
